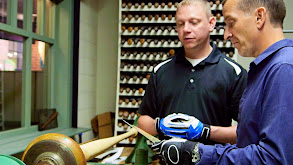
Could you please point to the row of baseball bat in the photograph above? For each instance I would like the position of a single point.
(163, 41)
(125, 114)
(127, 101)
(147, 65)
(171, 52)
(125, 65)
(135, 55)
(158, 4)
(156, 17)
(133, 90)
(149, 4)
(149, 29)
(134, 78)
(131, 41)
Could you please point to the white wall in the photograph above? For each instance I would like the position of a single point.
(87, 66)
(107, 50)
(98, 47)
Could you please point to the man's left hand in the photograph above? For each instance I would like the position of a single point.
(183, 126)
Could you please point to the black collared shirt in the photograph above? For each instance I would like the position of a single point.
(210, 91)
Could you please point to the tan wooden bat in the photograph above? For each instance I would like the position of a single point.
(40, 150)
(94, 148)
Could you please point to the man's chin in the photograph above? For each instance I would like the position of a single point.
(243, 54)
(189, 46)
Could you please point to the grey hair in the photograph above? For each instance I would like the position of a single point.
(204, 3)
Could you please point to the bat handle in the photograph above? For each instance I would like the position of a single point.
(94, 148)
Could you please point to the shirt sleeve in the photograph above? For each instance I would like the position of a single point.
(149, 102)
(237, 91)
(275, 127)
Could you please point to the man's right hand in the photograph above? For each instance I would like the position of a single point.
(177, 151)
(182, 126)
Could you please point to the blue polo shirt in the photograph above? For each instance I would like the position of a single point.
(210, 91)
(265, 125)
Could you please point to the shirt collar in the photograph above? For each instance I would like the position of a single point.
(212, 58)
(272, 49)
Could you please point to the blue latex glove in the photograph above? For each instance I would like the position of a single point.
(183, 126)
(177, 151)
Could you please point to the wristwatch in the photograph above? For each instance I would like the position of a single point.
(195, 154)
(190, 154)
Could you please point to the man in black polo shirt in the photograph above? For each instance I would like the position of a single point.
(198, 80)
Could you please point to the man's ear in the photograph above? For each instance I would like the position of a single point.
(212, 22)
(260, 14)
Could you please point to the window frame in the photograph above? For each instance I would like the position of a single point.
(60, 70)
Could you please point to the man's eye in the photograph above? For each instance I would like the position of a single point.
(179, 24)
(231, 24)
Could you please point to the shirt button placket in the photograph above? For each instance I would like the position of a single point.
(191, 80)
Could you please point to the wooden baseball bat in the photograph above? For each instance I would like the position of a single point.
(92, 149)
(81, 153)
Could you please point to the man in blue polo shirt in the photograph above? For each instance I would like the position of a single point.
(198, 81)
(265, 128)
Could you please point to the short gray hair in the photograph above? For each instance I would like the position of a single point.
(204, 4)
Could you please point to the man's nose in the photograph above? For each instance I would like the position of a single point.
(227, 34)
(186, 27)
